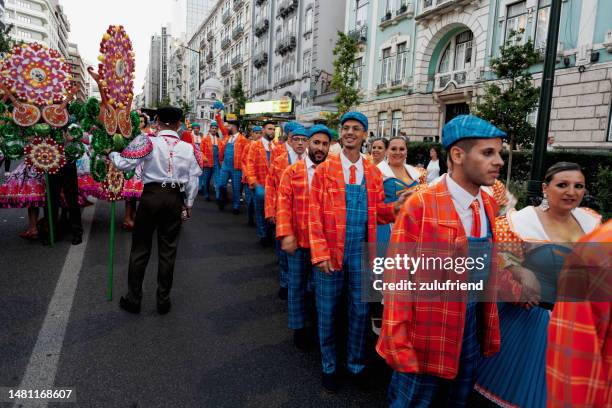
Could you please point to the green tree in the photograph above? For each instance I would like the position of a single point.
(6, 42)
(163, 103)
(240, 99)
(185, 106)
(508, 101)
(344, 80)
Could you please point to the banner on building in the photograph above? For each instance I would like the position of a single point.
(266, 107)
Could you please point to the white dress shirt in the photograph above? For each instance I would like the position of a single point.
(293, 156)
(462, 201)
(158, 167)
(266, 143)
(310, 169)
(433, 170)
(346, 166)
(335, 148)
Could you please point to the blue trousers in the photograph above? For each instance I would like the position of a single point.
(299, 270)
(250, 205)
(208, 174)
(236, 177)
(328, 291)
(423, 390)
(282, 264)
(263, 229)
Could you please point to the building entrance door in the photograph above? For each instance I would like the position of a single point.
(455, 109)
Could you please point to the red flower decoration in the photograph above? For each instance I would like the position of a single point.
(45, 155)
(113, 184)
(116, 69)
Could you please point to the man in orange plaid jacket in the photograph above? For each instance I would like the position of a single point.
(295, 146)
(579, 356)
(256, 134)
(346, 202)
(258, 164)
(433, 346)
(292, 227)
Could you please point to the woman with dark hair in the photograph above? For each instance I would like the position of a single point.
(437, 164)
(539, 238)
(378, 150)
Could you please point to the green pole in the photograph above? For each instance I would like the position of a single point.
(534, 187)
(111, 254)
(49, 211)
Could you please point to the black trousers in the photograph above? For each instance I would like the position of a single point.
(66, 180)
(159, 209)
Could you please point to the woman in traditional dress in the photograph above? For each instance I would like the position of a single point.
(378, 149)
(538, 236)
(437, 165)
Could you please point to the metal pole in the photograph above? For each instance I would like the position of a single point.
(111, 254)
(534, 187)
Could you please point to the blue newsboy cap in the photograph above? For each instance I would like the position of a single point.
(214, 123)
(299, 131)
(469, 127)
(257, 129)
(319, 129)
(354, 115)
(289, 126)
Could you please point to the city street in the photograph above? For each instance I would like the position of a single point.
(225, 342)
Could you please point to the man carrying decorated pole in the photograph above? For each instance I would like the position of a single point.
(233, 145)
(292, 227)
(346, 203)
(256, 134)
(258, 164)
(171, 169)
(434, 346)
(295, 146)
(209, 146)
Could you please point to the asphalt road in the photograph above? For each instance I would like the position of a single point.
(225, 342)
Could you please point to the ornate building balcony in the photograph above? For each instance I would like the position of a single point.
(236, 61)
(238, 4)
(225, 69)
(394, 17)
(209, 57)
(260, 59)
(286, 7)
(261, 26)
(286, 44)
(225, 42)
(210, 35)
(237, 31)
(359, 34)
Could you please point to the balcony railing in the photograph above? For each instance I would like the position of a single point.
(238, 4)
(261, 26)
(259, 89)
(285, 79)
(359, 34)
(225, 42)
(237, 32)
(459, 77)
(210, 35)
(260, 59)
(226, 16)
(286, 7)
(394, 17)
(286, 44)
(209, 57)
(202, 44)
(225, 69)
(236, 61)
(259, 2)
(432, 7)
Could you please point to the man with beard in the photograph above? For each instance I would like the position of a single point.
(258, 164)
(294, 151)
(434, 347)
(292, 227)
(346, 203)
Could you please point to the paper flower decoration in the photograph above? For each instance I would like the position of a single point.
(45, 155)
(116, 68)
(36, 74)
(113, 184)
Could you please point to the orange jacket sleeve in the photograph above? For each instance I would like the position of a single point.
(284, 206)
(270, 200)
(251, 165)
(319, 249)
(221, 124)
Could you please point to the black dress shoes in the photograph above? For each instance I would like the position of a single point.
(77, 239)
(129, 306)
(164, 308)
(282, 293)
(330, 382)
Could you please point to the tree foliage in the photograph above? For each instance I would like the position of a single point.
(163, 103)
(6, 42)
(237, 93)
(508, 101)
(344, 80)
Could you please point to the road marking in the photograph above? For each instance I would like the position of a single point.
(42, 367)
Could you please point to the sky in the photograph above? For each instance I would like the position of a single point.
(141, 19)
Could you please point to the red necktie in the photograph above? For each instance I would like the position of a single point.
(353, 175)
(475, 219)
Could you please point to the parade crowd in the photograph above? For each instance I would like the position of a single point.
(315, 196)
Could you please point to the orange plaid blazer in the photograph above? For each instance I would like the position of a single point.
(327, 210)
(206, 146)
(579, 355)
(281, 148)
(244, 158)
(293, 203)
(425, 336)
(278, 166)
(257, 163)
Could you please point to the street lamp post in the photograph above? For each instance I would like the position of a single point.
(534, 187)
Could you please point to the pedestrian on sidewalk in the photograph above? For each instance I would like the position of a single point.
(171, 169)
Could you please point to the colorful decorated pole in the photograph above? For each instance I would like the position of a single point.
(115, 78)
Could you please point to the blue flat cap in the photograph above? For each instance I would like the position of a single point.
(358, 116)
(299, 131)
(218, 105)
(289, 126)
(257, 129)
(469, 127)
(320, 129)
(214, 123)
